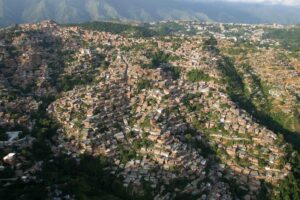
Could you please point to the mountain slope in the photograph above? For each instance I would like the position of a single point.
(136, 114)
(66, 11)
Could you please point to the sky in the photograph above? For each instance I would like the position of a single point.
(285, 2)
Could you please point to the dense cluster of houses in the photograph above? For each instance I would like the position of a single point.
(113, 109)
(282, 75)
(168, 132)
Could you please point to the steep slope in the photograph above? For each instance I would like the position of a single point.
(140, 118)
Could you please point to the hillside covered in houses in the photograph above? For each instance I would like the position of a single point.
(166, 110)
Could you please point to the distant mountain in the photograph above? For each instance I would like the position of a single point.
(74, 11)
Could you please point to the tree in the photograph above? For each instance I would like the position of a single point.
(41, 150)
(288, 189)
(159, 58)
(143, 84)
(211, 45)
(196, 75)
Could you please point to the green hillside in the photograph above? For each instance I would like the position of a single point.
(75, 11)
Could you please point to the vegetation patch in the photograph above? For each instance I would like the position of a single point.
(196, 75)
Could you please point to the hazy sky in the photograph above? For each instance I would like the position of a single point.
(283, 2)
(286, 2)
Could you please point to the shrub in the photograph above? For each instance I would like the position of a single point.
(196, 75)
(211, 45)
(143, 84)
(158, 58)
